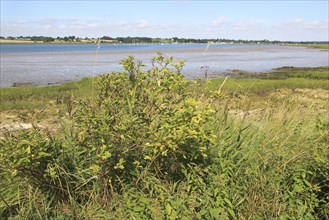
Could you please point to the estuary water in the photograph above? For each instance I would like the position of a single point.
(45, 64)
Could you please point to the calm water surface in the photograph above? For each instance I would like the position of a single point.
(42, 64)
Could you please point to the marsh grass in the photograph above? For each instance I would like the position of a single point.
(319, 46)
(323, 46)
(265, 86)
(31, 97)
(296, 72)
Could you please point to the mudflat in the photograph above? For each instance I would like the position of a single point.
(52, 64)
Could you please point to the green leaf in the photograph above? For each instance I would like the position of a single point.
(168, 209)
(95, 168)
(120, 164)
(298, 188)
(231, 212)
(228, 202)
(307, 183)
(106, 155)
(14, 173)
(28, 150)
(147, 158)
(214, 212)
(138, 208)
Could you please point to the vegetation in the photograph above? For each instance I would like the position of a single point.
(41, 38)
(33, 97)
(320, 46)
(149, 40)
(300, 72)
(324, 46)
(147, 144)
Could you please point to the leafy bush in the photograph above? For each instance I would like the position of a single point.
(143, 121)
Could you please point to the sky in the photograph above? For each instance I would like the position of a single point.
(249, 20)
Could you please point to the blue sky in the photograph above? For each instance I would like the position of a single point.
(272, 20)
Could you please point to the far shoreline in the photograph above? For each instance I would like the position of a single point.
(322, 46)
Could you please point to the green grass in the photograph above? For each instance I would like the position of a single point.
(298, 72)
(272, 167)
(264, 86)
(31, 97)
(319, 46)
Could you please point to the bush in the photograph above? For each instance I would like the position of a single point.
(143, 122)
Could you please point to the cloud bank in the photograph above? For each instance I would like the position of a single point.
(298, 29)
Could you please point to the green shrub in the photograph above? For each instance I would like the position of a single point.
(143, 121)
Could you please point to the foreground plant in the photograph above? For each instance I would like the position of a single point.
(149, 145)
(141, 123)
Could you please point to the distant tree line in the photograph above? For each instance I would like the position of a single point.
(149, 40)
(69, 38)
(44, 38)
(131, 40)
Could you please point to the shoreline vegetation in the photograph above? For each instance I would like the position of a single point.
(152, 145)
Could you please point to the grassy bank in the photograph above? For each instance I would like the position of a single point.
(34, 97)
(254, 147)
(319, 46)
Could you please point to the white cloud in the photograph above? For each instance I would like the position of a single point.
(21, 22)
(318, 25)
(218, 22)
(300, 25)
(143, 24)
(252, 26)
(122, 24)
(298, 21)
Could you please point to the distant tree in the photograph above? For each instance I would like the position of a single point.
(48, 39)
(106, 38)
(34, 38)
(42, 38)
(71, 38)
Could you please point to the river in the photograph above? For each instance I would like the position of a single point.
(44, 64)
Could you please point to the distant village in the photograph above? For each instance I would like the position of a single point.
(143, 40)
